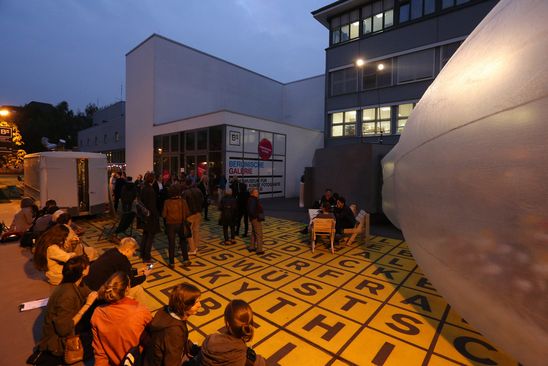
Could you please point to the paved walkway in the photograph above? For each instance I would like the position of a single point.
(366, 304)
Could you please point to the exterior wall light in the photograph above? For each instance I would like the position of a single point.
(380, 67)
(360, 62)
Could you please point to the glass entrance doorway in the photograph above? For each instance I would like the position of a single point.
(196, 163)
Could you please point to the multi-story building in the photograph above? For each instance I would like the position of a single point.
(107, 134)
(382, 56)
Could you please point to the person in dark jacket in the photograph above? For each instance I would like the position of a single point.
(203, 186)
(118, 185)
(344, 216)
(169, 344)
(229, 348)
(240, 192)
(256, 216)
(66, 306)
(112, 261)
(194, 200)
(151, 225)
(128, 195)
(229, 213)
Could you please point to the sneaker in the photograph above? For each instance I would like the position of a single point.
(171, 265)
(250, 249)
(186, 263)
(194, 252)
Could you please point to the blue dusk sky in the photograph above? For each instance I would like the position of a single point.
(74, 50)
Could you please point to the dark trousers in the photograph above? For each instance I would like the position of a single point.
(225, 231)
(146, 244)
(239, 221)
(174, 230)
(206, 209)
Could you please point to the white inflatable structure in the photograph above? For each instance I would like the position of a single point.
(468, 181)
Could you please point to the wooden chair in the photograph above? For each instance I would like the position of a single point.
(362, 226)
(321, 226)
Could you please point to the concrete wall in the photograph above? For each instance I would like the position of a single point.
(139, 109)
(189, 83)
(302, 102)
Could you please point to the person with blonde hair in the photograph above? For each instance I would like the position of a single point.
(229, 347)
(118, 324)
(115, 260)
(169, 343)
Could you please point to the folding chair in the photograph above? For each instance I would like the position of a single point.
(326, 227)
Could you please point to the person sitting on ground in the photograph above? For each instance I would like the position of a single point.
(117, 260)
(229, 348)
(169, 343)
(117, 326)
(229, 213)
(44, 210)
(45, 221)
(176, 212)
(24, 218)
(74, 239)
(344, 217)
(66, 307)
(52, 251)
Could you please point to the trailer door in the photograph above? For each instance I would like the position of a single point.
(98, 180)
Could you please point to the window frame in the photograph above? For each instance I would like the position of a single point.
(399, 128)
(378, 121)
(345, 80)
(344, 124)
(375, 72)
(432, 76)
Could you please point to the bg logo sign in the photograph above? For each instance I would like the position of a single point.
(5, 133)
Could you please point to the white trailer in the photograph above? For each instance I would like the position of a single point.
(77, 181)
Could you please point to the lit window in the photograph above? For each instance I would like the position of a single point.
(345, 27)
(404, 110)
(343, 124)
(344, 81)
(376, 121)
(377, 74)
(378, 16)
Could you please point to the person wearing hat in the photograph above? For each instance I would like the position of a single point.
(175, 212)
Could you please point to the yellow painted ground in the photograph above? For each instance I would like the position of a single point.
(368, 304)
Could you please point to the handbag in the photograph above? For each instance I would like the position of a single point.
(74, 350)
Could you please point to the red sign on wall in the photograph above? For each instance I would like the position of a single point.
(265, 149)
